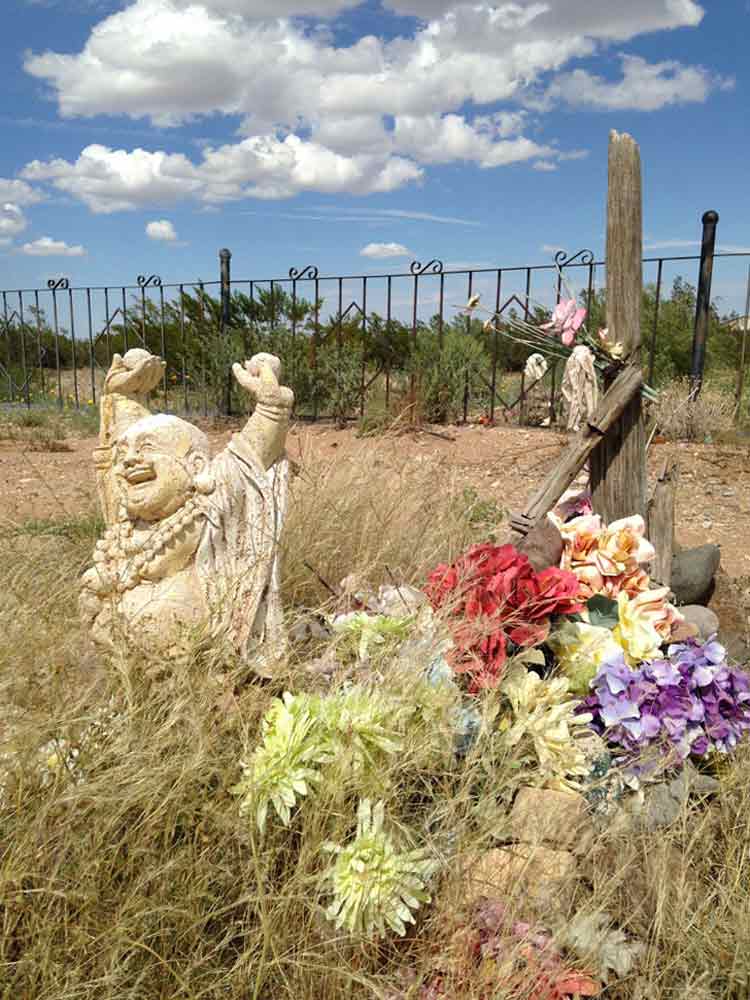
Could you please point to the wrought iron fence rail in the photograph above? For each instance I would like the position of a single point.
(76, 313)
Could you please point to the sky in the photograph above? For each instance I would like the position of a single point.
(141, 137)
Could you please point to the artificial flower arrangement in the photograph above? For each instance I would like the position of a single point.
(560, 334)
(555, 666)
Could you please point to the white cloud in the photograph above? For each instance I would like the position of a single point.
(12, 220)
(382, 250)
(616, 21)
(451, 220)
(671, 244)
(161, 230)
(18, 192)
(693, 245)
(172, 60)
(643, 86)
(436, 139)
(358, 118)
(45, 246)
(110, 180)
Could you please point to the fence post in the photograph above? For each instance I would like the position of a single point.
(703, 301)
(743, 354)
(225, 257)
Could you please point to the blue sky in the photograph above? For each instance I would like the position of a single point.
(141, 137)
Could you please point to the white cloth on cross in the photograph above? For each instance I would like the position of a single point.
(579, 387)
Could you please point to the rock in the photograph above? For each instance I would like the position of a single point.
(693, 572)
(544, 815)
(532, 873)
(663, 803)
(661, 808)
(543, 545)
(705, 620)
(736, 647)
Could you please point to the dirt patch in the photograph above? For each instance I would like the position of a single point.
(503, 464)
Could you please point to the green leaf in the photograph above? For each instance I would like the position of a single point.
(602, 611)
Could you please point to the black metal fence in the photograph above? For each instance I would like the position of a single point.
(349, 343)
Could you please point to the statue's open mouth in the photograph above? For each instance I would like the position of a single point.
(141, 474)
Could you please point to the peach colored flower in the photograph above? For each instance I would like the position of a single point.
(632, 583)
(580, 540)
(622, 547)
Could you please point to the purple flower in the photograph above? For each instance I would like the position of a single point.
(663, 672)
(691, 702)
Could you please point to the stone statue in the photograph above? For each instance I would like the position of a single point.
(191, 541)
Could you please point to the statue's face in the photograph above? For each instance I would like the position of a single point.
(155, 469)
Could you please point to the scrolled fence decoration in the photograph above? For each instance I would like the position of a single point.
(582, 256)
(431, 267)
(150, 281)
(310, 272)
(58, 284)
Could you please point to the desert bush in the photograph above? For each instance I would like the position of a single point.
(678, 418)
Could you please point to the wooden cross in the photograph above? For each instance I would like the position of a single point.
(613, 440)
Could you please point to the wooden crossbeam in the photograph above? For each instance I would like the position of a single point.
(626, 385)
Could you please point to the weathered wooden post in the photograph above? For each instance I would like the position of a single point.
(618, 463)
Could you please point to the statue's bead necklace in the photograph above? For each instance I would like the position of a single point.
(123, 557)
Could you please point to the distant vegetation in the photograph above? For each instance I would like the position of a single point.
(434, 368)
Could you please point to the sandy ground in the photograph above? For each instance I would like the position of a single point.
(500, 463)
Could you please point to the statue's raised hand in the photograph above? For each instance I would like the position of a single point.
(135, 374)
(259, 377)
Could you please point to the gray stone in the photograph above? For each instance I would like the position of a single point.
(661, 808)
(664, 802)
(693, 572)
(704, 619)
(736, 646)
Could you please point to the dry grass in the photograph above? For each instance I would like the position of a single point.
(142, 882)
(46, 428)
(678, 418)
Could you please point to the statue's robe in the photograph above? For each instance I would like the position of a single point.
(237, 561)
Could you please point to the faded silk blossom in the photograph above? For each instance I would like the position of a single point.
(567, 319)
(690, 702)
(493, 597)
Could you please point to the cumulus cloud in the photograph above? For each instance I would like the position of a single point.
(382, 250)
(357, 117)
(172, 60)
(18, 192)
(615, 21)
(161, 230)
(643, 86)
(256, 9)
(45, 246)
(113, 180)
(12, 220)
